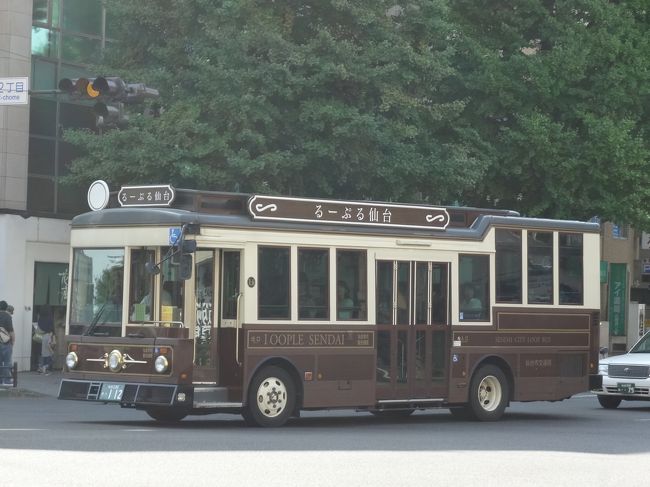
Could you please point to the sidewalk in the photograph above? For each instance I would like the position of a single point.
(33, 383)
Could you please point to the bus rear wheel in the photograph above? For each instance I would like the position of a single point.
(609, 402)
(167, 415)
(488, 393)
(271, 398)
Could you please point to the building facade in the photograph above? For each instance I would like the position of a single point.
(44, 40)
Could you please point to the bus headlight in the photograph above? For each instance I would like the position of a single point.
(603, 369)
(161, 364)
(71, 360)
(115, 361)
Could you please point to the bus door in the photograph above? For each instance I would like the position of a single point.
(412, 329)
(206, 267)
(229, 332)
(216, 286)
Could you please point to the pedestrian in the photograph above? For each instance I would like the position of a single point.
(46, 324)
(7, 340)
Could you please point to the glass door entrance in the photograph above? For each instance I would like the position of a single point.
(412, 329)
(216, 276)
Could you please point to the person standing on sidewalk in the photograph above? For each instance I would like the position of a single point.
(46, 324)
(6, 349)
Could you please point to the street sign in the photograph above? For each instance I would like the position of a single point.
(14, 91)
(160, 195)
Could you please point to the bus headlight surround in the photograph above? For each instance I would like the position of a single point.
(115, 361)
(161, 364)
(71, 360)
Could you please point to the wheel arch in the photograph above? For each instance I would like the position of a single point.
(502, 364)
(289, 367)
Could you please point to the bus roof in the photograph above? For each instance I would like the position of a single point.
(237, 210)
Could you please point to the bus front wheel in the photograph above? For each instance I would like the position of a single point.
(271, 398)
(488, 394)
(167, 415)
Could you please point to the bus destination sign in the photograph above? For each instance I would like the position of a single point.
(160, 195)
(347, 212)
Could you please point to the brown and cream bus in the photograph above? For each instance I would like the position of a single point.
(184, 302)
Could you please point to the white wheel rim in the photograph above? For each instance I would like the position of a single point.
(271, 397)
(489, 393)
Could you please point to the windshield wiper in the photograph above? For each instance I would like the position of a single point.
(93, 324)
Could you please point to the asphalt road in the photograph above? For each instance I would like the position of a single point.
(48, 442)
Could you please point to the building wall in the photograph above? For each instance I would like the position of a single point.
(23, 242)
(15, 60)
(618, 246)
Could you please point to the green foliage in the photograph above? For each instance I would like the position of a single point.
(320, 98)
(560, 88)
(535, 105)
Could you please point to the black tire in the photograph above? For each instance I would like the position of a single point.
(609, 402)
(488, 393)
(461, 413)
(392, 413)
(271, 398)
(167, 415)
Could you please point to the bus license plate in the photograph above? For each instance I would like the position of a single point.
(625, 387)
(111, 392)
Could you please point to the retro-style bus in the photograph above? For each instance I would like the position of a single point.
(185, 303)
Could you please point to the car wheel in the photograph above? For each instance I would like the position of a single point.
(167, 415)
(271, 398)
(488, 393)
(609, 402)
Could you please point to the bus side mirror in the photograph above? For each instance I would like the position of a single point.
(188, 246)
(185, 268)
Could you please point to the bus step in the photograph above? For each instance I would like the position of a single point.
(204, 396)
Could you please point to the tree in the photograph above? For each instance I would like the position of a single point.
(560, 89)
(335, 98)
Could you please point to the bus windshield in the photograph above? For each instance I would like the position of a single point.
(97, 276)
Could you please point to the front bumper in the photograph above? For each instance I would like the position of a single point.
(612, 386)
(135, 395)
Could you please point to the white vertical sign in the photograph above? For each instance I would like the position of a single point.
(645, 241)
(14, 91)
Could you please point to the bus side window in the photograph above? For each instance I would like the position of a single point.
(313, 284)
(274, 275)
(351, 283)
(571, 272)
(474, 287)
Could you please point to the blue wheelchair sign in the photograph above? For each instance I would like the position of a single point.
(174, 235)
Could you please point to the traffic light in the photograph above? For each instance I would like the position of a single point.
(105, 90)
(91, 88)
(111, 87)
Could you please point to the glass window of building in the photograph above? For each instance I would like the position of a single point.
(65, 36)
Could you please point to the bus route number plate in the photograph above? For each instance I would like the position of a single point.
(625, 388)
(111, 392)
